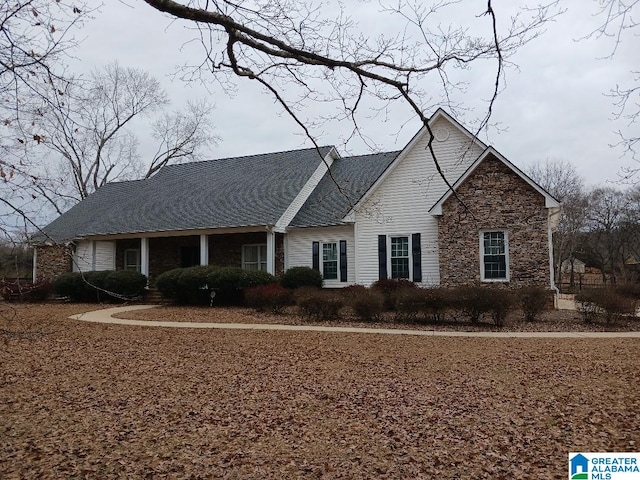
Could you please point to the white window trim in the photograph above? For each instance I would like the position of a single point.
(389, 270)
(266, 259)
(506, 256)
(337, 260)
(139, 261)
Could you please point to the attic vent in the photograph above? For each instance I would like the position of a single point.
(441, 134)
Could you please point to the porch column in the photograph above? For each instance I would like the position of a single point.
(271, 252)
(34, 274)
(144, 256)
(204, 249)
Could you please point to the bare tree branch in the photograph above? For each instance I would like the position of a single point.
(284, 43)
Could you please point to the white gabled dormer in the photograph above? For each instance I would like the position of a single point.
(297, 203)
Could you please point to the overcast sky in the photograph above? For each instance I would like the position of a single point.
(554, 106)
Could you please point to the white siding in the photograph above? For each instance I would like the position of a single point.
(299, 253)
(399, 204)
(105, 255)
(83, 256)
(90, 255)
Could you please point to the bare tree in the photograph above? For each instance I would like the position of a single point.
(86, 126)
(558, 177)
(292, 47)
(607, 209)
(34, 37)
(561, 179)
(619, 19)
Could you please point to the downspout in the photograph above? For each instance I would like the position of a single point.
(552, 274)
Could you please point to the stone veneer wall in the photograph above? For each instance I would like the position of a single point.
(497, 198)
(52, 261)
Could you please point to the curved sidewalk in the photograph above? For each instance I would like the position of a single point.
(106, 316)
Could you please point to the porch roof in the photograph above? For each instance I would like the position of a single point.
(232, 192)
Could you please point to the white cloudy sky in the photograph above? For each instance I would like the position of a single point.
(554, 106)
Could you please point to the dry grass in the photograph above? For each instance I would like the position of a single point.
(81, 400)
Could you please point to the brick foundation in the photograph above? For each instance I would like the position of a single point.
(495, 198)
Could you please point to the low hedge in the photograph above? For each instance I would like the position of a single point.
(97, 286)
(229, 283)
(298, 277)
(367, 304)
(125, 284)
(167, 283)
(391, 288)
(273, 298)
(533, 301)
(194, 285)
(319, 304)
(605, 302)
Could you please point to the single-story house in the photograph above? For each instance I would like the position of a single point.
(356, 219)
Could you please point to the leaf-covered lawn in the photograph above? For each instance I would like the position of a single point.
(81, 400)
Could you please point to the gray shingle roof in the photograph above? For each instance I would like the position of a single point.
(336, 193)
(231, 192)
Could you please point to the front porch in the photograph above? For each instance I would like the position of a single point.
(154, 253)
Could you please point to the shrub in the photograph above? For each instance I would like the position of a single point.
(125, 283)
(70, 285)
(94, 285)
(192, 287)
(298, 277)
(606, 301)
(435, 303)
(167, 283)
(501, 301)
(629, 290)
(533, 301)
(367, 304)
(587, 307)
(318, 304)
(25, 292)
(229, 283)
(473, 301)
(409, 302)
(390, 288)
(271, 297)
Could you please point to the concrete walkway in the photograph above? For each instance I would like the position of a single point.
(106, 316)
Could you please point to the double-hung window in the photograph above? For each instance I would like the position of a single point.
(132, 259)
(330, 261)
(494, 256)
(254, 257)
(400, 257)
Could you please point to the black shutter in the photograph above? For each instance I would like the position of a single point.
(382, 257)
(343, 260)
(315, 255)
(416, 253)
